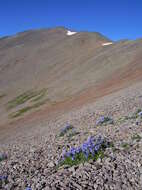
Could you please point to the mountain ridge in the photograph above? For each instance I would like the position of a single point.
(65, 65)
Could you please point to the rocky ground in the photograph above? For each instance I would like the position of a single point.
(33, 155)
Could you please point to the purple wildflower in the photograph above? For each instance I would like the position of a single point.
(78, 150)
(103, 119)
(28, 188)
(140, 113)
(63, 154)
(89, 148)
(97, 147)
(100, 120)
(86, 154)
(72, 158)
(3, 177)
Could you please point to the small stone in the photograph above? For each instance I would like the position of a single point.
(51, 165)
(99, 160)
(72, 169)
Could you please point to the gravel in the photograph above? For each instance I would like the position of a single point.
(32, 156)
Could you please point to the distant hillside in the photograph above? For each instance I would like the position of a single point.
(52, 67)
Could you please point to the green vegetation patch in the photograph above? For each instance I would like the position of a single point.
(40, 95)
(125, 145)
(136, 137)
(121, 120)
(138, 111)
(22, 111)
(92, 149)
(80, 158)
(137, 114)
(26, 96)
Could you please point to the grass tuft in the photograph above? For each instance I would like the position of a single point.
(125, 145)
(80, 158)
(136, 137)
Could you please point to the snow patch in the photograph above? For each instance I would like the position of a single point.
(70, 33)
(107, 44)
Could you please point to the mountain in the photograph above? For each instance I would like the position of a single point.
(70, 111)
(75, 68)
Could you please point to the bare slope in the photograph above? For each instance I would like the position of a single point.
(61, 72)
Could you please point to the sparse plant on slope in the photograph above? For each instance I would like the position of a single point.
(22, 111)
(72, 133)
(93, 149)
(136, 137)
(104, 120)
(3, 156)
(125, 145)
(26, 96)
(65, 130)
(136, 115)
(3, 179)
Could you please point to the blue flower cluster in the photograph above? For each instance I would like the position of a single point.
(3, 177)
(66, 129)
(100, 120)
(28, 188)
(103, 120)
(140, 113)
(88, 149)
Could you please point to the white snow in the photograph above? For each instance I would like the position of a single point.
(70, 33)
(107, 44)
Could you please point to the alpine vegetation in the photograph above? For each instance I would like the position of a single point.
(137, 114)
(3, 156)
(3, 180)
(66, 129)
(92, 148)
(28, 188)
(104, 120)
(3, 177)
(140, 114)
(72, 132)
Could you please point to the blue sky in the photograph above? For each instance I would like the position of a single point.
(117, 19)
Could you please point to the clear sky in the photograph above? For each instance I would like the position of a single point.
(117, 19)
